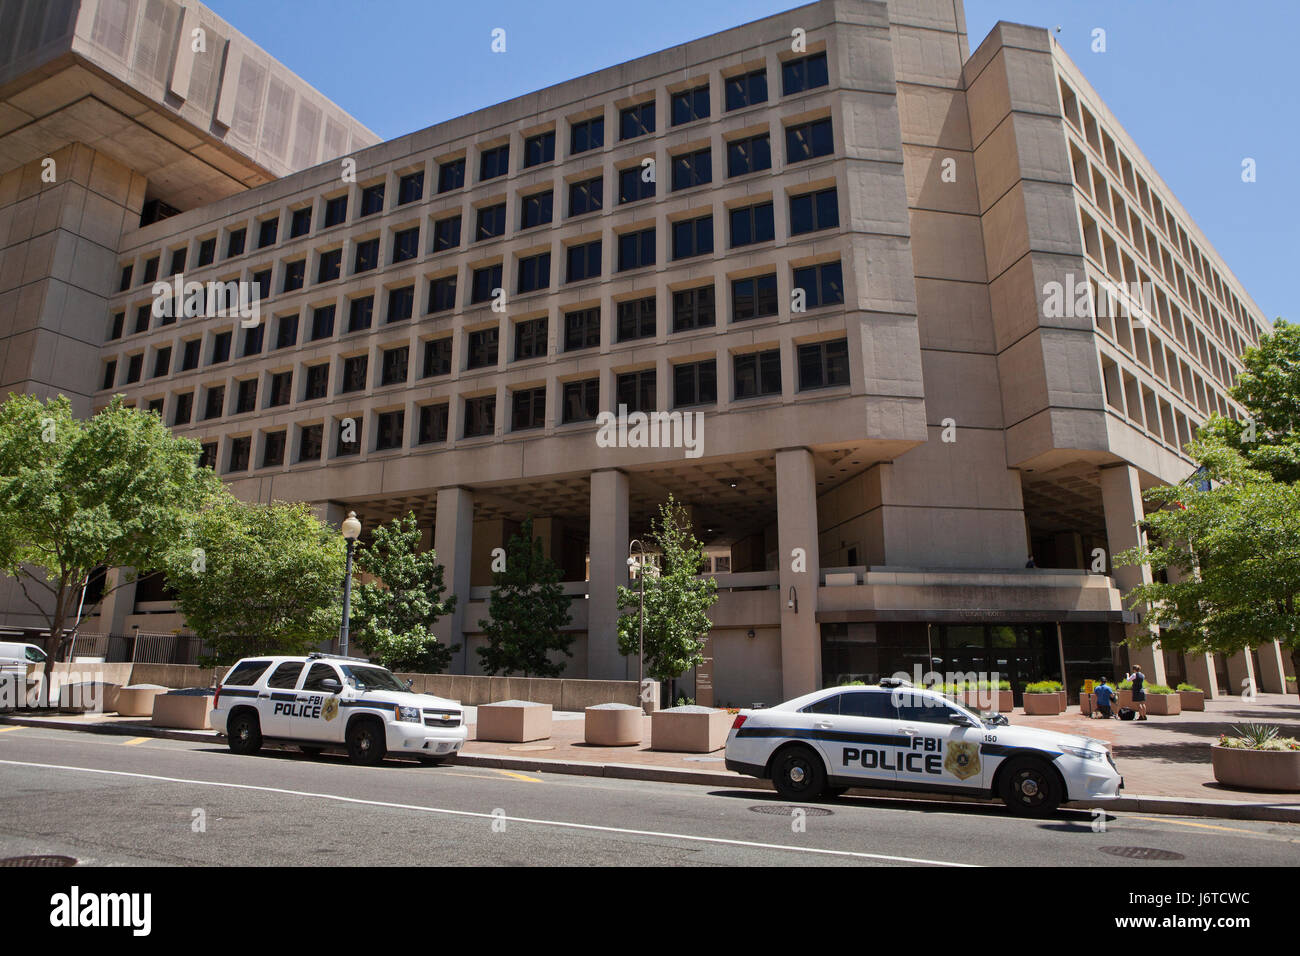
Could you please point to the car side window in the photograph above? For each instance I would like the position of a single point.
(285, 677)
(317, 675)
(868, 704)
(925, 709)
(246, 673)
(827, 705)
(35, 655)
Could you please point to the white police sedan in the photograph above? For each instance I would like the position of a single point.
(898, 737)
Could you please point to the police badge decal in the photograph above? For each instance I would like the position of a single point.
(331, 708)
(962, 760)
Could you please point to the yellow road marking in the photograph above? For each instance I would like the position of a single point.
(7, 729)
(1202, 826)
(134, 740)
(517, 776)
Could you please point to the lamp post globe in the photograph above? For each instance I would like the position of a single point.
(351, 531)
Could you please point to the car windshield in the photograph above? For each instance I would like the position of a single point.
(372, 678)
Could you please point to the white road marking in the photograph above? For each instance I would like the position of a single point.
(563, 824)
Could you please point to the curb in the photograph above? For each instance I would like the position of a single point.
(1137, 803)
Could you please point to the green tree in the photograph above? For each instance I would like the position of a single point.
(393, 616)
(77, 495)
(677, 599)
(527, 612)
(258, 579)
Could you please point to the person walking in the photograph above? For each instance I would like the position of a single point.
(1139, 691)
(1105, 698)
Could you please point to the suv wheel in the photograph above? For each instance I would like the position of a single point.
(244, 733)
(1030, 787)
(798, 774)
(366, 744)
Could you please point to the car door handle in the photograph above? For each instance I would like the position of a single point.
(822, 725)
(263, 696)
(910, 731)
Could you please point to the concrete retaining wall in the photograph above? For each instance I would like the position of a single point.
(174, 675)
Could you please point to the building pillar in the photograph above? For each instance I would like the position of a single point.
(1271, 675)
(608, 569)
(1241, 673)
(118, 603)
(1202, 672)
(1121, 497)
(800, 574)
(453, 542)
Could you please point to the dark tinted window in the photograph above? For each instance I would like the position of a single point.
(246, 672)
(813, 211)
(690, 105)
(536, 210)
(494, 162)
(870, 703)
(693, 237)
(372, 200)
(410, 188)
(446, 233)
(757, 373)
(451, 175)
(318, 674)
(749, 155)
(637, 121)
(588, 134)
(285, 677)
(804, 74)
(539, 149)
(584, 197)
(692, 169)
(746, 90)
(808, 141)
(823, 364)
(752, 224)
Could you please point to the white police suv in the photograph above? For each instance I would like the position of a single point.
(324, 701)
(896, 736)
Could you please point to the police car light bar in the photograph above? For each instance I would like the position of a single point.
(315, 655)
(895, 682)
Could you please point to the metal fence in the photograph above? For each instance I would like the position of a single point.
(139, 647)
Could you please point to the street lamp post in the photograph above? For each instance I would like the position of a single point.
(351, 531)
(640, 624)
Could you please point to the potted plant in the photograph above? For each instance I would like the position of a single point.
(1193, 698)
(988, 695)
(1043, 698)
(1124, 693)
(1163, 700)
(1257, 757)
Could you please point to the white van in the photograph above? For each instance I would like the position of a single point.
(18, 666)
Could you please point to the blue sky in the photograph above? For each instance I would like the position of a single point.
(1199, 85)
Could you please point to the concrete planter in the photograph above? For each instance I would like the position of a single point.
(1001, 701)
(691, 729)
(1164, 705)
(1125, 698)
(1043, 705)
(1065, 700)
(182, 711)
(612, 725)
(513, 721)
(1192, 699)
(1264, 770)
(137, 699)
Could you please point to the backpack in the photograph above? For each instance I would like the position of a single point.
(1127, 713)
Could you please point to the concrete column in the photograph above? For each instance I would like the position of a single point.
(453, 541)
(608, 569)
(1121, 497)
(1241, 673)
(118, 604)
(1202, 672)
(796, 515)
(1272, 674)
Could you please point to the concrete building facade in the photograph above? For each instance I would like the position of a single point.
(911, 317)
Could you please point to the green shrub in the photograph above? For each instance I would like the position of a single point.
(1159, 689)
(1126, 685)
(1190, 687)
(1258, 737)
(1043, 687)
(854, 683)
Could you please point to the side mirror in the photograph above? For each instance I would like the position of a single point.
(961, 720)
(330, 685)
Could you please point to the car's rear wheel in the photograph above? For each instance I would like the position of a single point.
(798, 774)
(244, 733)
(1030, 787)
(366, 744)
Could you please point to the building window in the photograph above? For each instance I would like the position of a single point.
(636, 249)
(634, 121)
(811, 212)
(253, 340)
(806, 73)
(394, 366)
(273, 449)
(749, 155)
(354, 373)
(178, 260)
(190, 357)
(480, 416)
(318, 382)
(208, 455)
(636, 390)
(156, 406)
(151, 266)
(534, 272)
(119, 320)
(539, 149)
(748, 89)
(757, 373)
(220, 348)
(433, 424)
(808, 141)
(528, 409)
(491, 222)
(239, 453)
(581, 329)
(633, 186)
(442, 294)
(587, 134)
(693, 309)
(331, 265)
(367, 256)
(300, 222)
(692, 169)
(486, 282)
(693, 237)
(281, 390)
(752, 224)
(110, 373)
(410, 188)
(295, 274)
(446, 233)
(134, 366)
(583, 262)
(207, 252)
(126, 279)
(336, 210)
(690, 105)
(286, 332)
(437, 357)
(361, 311)
(214, 402)
(246, 396)
(822, 285)
(451, 175)
(388, 430)
(823, 364)
(581, 401)
(261, 281)
(530, 339)
(483, 348)
(584, 197)
(401, 303)
(753, 298)
(267, 231)
(311, 440)
(494, 162)
(372, 200)
(184, 409)
(536, 210)
(636, 319)
(162, 361)
(695, 383)
(142, 316)
(406, 244)
(347, 441)
(322, 322)
(234, 247)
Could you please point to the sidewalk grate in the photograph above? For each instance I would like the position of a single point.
(39, 860)
(1141, 853)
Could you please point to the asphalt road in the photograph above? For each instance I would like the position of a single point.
(122, 801)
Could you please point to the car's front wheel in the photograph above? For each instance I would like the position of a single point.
(366, 744)
(1030, 787)
(244, 733)
(798, 773)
